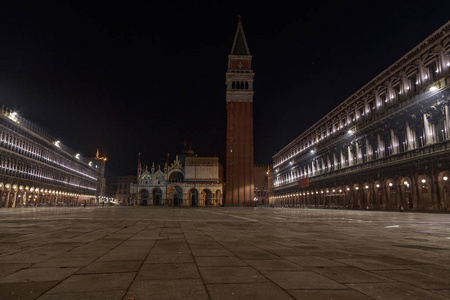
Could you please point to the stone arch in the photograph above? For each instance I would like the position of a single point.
(379, 197)
(367, 195)
(357, 195)
(391, 194)
(425, 195)
(406, 189)
(157, 197)
(175, 195)
(444, 190)
(192, 197)
(206, 197)
(176, 176)
(144, 196)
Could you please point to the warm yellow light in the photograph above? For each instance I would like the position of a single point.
(423, 181)
(445, 178)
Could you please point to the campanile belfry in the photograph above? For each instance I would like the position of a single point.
(239, 98)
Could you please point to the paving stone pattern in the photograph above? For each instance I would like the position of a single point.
(222, 253)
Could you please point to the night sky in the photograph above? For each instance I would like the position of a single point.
(129, 76)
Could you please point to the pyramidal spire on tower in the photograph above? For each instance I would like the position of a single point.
(240, 46)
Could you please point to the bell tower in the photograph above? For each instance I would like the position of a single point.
(239, 98)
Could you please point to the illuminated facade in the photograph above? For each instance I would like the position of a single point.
(239, 146)
(36, 169)
(188, 181)
(261, 185)
(385, 147)
(123, 194)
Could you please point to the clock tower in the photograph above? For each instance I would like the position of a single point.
(239, 98)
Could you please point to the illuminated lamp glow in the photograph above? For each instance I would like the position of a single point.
(445, 178)
(433, 88)
(423, 181)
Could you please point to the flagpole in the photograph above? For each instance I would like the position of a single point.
(167, 175)
(137, 190)
(195, 181)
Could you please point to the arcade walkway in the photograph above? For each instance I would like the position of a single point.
(222, 253)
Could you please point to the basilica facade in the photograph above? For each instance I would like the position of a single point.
(187, 181)
(385, 147)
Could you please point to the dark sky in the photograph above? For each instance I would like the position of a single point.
(129, 76)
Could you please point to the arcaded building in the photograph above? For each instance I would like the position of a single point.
(385, 147)
(38, 170)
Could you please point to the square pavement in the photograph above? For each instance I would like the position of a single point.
(222, 253)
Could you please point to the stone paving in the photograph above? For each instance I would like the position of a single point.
(222, 253)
